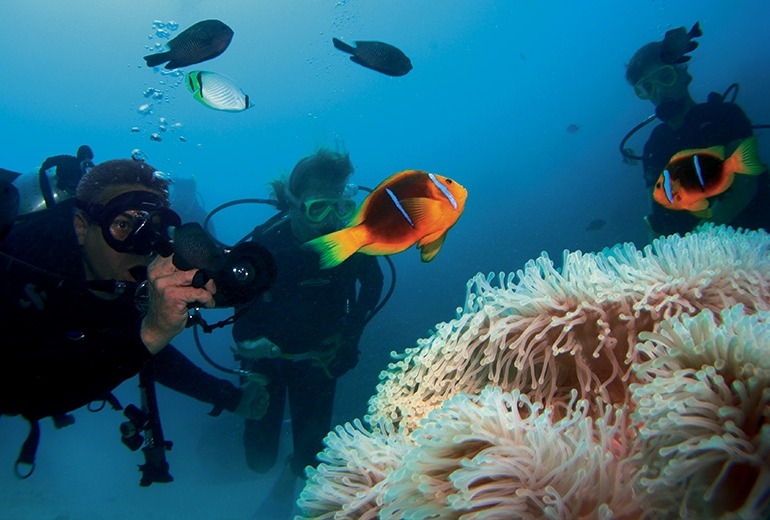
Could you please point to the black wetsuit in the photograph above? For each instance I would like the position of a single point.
(305, 306)
(62, 345)
(707, 124)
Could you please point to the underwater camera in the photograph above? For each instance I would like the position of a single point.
(241, 273)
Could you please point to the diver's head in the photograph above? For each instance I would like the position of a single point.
(123, 218)
(317, 196)
(656, 80)
(86, 157)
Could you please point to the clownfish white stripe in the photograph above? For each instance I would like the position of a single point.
(444, 190)
(398, 205)
(698, 171)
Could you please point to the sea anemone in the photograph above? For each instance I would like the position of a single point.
(349, 482)
(499, 456)
(484, 418)
(704, 409)
(546, 331)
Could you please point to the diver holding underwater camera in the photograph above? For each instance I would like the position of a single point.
(69, 298)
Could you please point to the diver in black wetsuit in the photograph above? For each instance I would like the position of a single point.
(71, 333)
(303, 333)
(658, 73)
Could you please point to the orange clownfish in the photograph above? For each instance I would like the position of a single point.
(692, 176)
(410, 207)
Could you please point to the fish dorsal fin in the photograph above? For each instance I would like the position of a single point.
(421, 210)
(429, 251)
(714, 151)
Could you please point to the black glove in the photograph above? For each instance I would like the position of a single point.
(346, 357)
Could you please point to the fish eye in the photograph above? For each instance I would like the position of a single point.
(449, 181)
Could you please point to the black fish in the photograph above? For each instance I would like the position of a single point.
(678, 42)
(595, 225)
(9, 206)
(573, 128)
(378, 56)
(200, 42)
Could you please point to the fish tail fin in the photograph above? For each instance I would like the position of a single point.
(336, 247)
(745, 158)
(343, 46)
(696, 31)
(153, 60)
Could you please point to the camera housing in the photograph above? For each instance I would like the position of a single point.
(241, 273)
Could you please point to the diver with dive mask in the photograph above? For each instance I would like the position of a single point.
(140, 223)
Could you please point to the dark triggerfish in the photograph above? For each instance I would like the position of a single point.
(200, 42)
(678, 43)
(378, 56)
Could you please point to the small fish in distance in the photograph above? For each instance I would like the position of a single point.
(378, 56)
(200, 42)
(596, 225)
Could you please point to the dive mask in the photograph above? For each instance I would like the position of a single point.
(664, 76)
(137, 222)
(316, 210)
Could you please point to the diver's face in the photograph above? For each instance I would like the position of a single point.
(661, 83)
(101, 261)
(317, 213)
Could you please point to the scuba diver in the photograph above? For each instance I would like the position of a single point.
(76, 329)
(55, 180)
(658, 73)
(303, 333)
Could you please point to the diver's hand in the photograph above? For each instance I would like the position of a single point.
(259, 348)
(254, 400)
(170, 293)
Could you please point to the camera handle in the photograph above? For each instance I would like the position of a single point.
(155, 467)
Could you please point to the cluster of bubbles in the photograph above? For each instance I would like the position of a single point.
(156, 96)
(164, 29)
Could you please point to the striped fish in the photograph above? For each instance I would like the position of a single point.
(217, 91)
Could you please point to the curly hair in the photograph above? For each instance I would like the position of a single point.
(323, 167)
(119, 172)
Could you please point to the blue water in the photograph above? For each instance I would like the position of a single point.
(494, 87)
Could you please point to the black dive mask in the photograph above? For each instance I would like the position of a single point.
(137, 222)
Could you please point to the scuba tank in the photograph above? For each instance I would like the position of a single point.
(38, 191)
(56, 180)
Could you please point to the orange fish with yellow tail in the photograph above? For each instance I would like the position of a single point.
(410, 207)
(692, 176)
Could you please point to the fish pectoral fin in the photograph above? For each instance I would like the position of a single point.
(700, 207)
(429, 250)
(421, 210)
(704, 213)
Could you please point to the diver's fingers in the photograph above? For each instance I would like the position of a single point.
(170, 294)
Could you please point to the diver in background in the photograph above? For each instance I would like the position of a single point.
(44, 190)
(187, 202)
(303, 332)
(658, 73)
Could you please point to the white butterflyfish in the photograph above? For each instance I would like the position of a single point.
(217, 91)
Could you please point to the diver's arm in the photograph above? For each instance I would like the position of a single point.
(177, 372)
(68, 372)
(55, 160)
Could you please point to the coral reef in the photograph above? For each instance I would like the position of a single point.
(538, 402)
